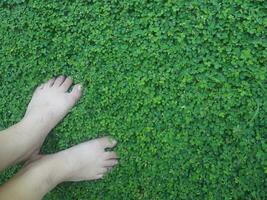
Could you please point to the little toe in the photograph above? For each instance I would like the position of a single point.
(66, 84)
(110, 163)
(111, 155)
(40, 87)
(108, 142)
(59, 80)
(102, 170)
(99, 176)
(76, 92)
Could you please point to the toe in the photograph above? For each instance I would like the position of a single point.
(99, 176)
(110, 163)
(76, 92)
(40, 87)
(111, 155)
(109, 168)
(66, 84)
(49, 83)
(103, 170)
(108, 142)
(59, 80)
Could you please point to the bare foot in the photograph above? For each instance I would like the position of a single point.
(86, 161)
(50, 103)
(89, 160)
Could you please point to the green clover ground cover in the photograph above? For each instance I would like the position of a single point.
(182, 85)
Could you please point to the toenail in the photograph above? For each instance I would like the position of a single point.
(112, 140)
(79, 87)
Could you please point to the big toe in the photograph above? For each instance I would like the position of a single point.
(76, 92)
(107, 142)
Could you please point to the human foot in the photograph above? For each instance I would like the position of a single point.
(85, 161)
(88, 160)
(50, 103)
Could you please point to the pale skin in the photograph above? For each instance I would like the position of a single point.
(50, 103)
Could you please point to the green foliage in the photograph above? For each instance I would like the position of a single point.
(180, 84)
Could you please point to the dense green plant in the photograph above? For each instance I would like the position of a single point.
(180, 84)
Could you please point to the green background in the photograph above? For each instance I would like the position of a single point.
(180, 84)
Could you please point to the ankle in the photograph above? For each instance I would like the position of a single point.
(64, 164)
(52, 168)
(34, 180)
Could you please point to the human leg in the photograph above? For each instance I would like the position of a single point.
(86, 161)
(51, 101)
